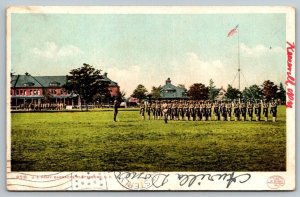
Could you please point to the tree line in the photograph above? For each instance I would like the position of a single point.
(199, 91)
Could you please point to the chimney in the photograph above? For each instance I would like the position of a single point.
(26, 73)
(105, 74)
(168, 80)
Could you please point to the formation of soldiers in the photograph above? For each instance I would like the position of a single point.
(209, 110)
(42, 106)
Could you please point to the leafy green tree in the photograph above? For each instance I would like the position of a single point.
(253, 92)
(212, 90)
(140, 92)
(281, 93)
(198, 91)
(269, 90)
(155, 92)
(232, 93)
(86, 82)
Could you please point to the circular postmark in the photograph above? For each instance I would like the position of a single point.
(275, 182)
(140, 180)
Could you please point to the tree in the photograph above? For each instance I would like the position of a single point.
(140, 92)
(281, 94)
(198, 91)
(232, 93)
(269, 90)
(155, 92)
(253, 92)
(86, 82)
(182, 86)
(212, 90)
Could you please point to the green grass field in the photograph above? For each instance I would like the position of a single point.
(91, 141)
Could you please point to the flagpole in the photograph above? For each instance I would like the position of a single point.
(239, 67)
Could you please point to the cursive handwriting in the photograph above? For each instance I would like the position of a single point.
(190, 179)
(290, 81)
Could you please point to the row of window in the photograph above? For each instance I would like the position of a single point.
(36, 92)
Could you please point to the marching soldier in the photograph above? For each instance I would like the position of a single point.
(257, 108)
(169, 106)
(243, 110)
(175, 110)
(266, 110)
(216, 110)
(228, 109)
(185, 110)
(250, 110)
(142, 110)
(273, 110)
(236, 111)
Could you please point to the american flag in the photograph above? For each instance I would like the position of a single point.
(233, 31)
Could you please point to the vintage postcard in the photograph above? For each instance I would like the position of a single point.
(150, 98)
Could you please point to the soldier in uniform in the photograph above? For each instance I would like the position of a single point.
(197, 110)
(250, 110)
(208, 109)
(148, 110)
(223, 111)
(236, 111)
(153, 108)
(176, 113)
(116, 106)
(229, 109)
(203, 110)
(273, 110)
(266, 110)
(180, 111)
(142, 110)
(169, 106)
(158, 110)
(257, 108)
(186, 110)
(243, 110)
(192, 110)
(216, 110)
(164, 107)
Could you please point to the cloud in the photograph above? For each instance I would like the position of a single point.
(51, 51)
(259, 50)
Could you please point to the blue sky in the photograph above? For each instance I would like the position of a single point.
(147, 49)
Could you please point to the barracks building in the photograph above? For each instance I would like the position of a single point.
(36, 90)
(170, 91)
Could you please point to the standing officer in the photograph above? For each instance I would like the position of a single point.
(116, 106)
(274, 110)
(266, 110)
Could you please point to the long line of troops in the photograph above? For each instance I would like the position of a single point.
(202, 110)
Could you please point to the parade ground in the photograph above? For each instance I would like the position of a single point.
(92, 141)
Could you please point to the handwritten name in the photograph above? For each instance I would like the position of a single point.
(143, 181)
(290, 81)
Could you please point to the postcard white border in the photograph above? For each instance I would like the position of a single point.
(258, 180)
